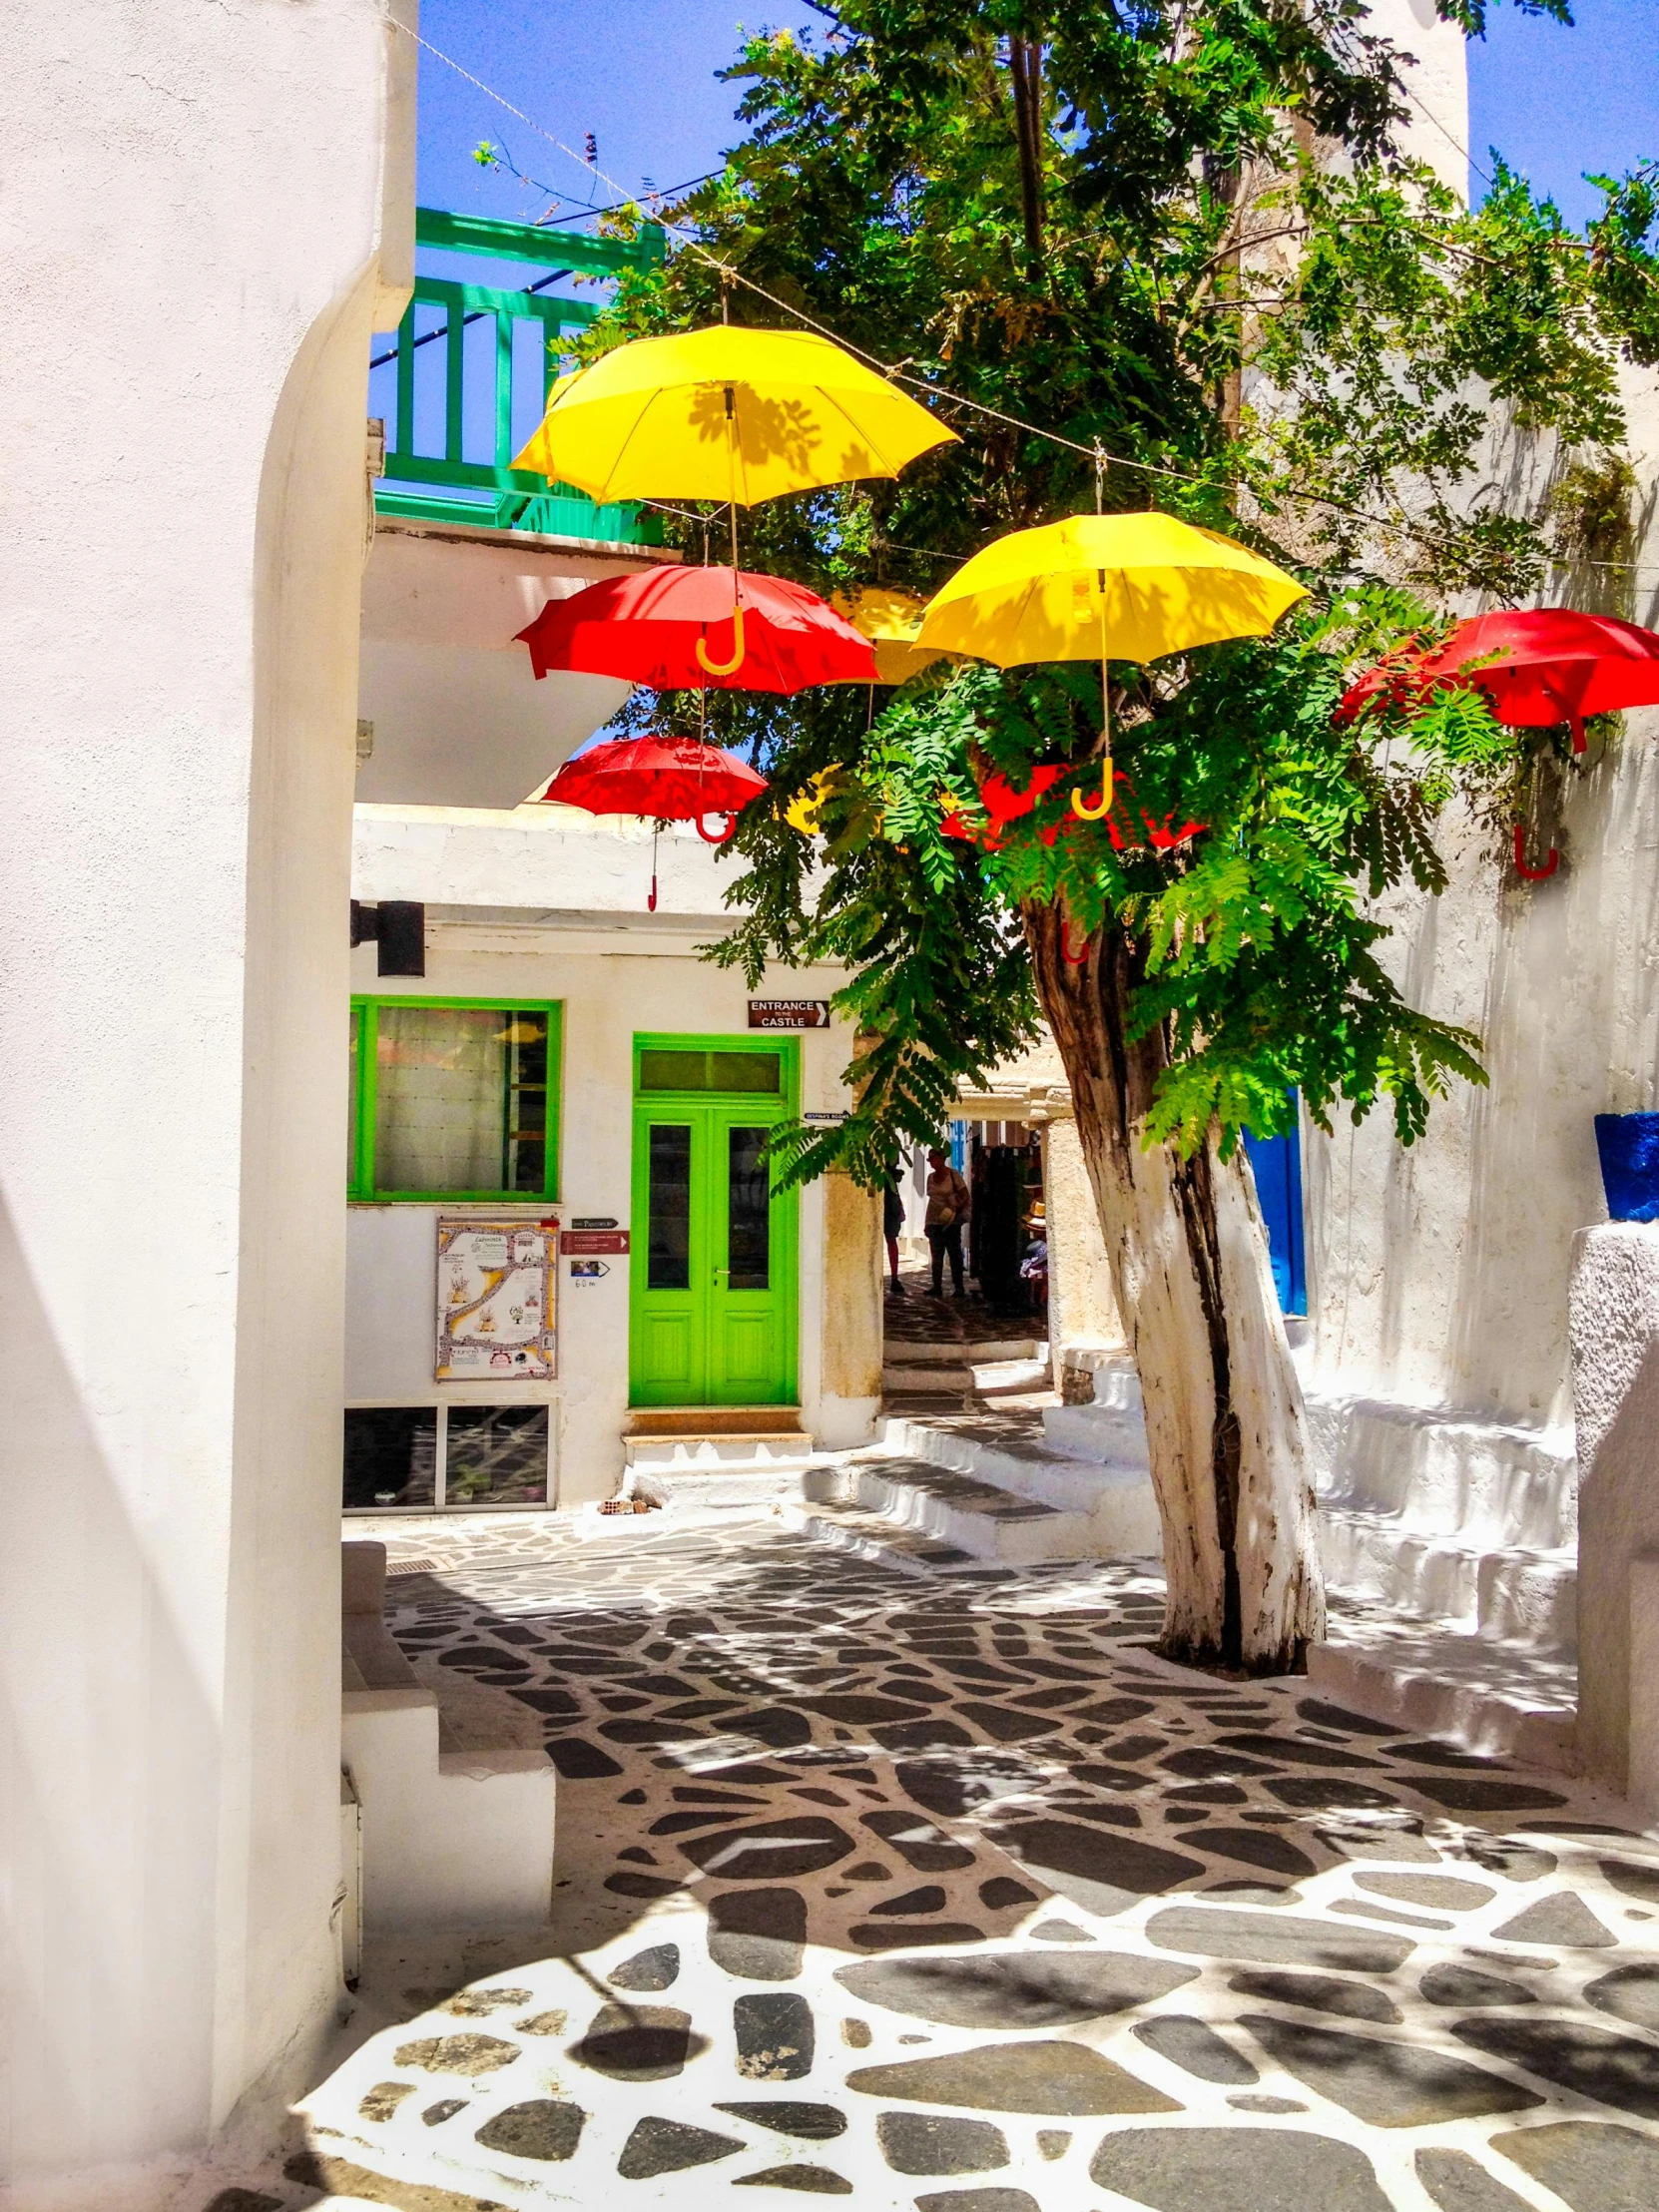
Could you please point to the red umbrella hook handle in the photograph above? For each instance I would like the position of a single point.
(724, 668)
(1072, 960)
(717, 837)
(1533, 874)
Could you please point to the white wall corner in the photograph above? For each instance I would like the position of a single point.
(395, 243)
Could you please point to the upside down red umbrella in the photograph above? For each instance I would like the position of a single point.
(663, 779)
(1543, 666)
(647, 627)
(1004, 804)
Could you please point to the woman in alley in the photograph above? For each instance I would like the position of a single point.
(948, 1210)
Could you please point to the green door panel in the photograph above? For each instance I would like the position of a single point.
(713, 1266)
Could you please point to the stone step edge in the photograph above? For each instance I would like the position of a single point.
(1564, 1559)
(1366, 1679)
(868, 1537)
(1027, 1510)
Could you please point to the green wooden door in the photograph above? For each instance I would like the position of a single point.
(712, 1272)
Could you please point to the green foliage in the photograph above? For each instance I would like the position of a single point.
(1307, 354)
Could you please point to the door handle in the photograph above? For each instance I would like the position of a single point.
(721, 1278)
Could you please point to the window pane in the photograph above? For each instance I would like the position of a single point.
(674, 1071)
(391, 1455)
(662, 1070)
(744, 1071)
(351, 1097)
(668, 1265)
(748, 1250)
(496, 1455)
(461, 1100)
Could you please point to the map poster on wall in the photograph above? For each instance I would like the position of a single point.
(495, 1291)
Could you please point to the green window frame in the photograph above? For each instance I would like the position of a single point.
(364, 1056)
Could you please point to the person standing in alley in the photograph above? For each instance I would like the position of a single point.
(892, 1228)
(948, 1210)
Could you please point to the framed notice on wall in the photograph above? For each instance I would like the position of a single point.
(496, 1294)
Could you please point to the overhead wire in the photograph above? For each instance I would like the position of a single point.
(731, 275)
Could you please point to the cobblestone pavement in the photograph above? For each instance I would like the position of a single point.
(949, 1895)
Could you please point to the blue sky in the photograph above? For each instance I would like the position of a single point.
(639, 76)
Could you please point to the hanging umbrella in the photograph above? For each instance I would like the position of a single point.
(890, 620)
(663, 779)
(1006, 804)
(1127, 587)
(726, 413)
(1538, 667)
(648, 626)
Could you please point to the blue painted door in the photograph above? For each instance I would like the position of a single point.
(1277, 1164)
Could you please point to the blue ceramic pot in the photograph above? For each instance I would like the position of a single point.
(1629, 1149)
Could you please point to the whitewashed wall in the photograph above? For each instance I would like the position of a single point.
(202, 223)
(1438, 1273)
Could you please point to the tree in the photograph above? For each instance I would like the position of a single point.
(1182, 236)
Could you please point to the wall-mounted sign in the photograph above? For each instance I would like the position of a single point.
(587, 1271)
(836, 1117)
(789, 1013)
(593, 1220)
(593, 1240)
(495, 1309)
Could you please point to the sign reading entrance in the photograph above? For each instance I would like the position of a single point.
(593, 1240)
(496, 1289)
(789, 1013)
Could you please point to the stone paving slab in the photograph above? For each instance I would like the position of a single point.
(950, 1894)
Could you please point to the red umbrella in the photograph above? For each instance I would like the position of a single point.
(1004, 804)
(1543, 666)
(647, 627)
(664, 778)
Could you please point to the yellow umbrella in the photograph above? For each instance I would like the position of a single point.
(726, 413)
(891, 621)
(1123, 587)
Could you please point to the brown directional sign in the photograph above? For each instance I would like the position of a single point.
(789, 1013)
(587, 1241)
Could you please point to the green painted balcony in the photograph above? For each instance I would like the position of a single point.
(433, 487)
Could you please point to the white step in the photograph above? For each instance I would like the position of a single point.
(715, 1490)
(935, 1382)
(1503, 1591)
(899, 1351)
(776, 1450)
(1502, 1700)
(969, 1514)
(1114, 1499)
(1112, 1432)
(1442, 1473)
(888, 1544)
(1009, 1378)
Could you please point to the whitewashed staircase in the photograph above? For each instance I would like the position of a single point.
(1449, 1546)
(988, 1486)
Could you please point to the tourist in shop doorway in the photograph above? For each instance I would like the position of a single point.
(948, 1210)
(1033, 1269)
(892, 1228)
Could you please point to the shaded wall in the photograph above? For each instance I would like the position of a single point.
(196, 229)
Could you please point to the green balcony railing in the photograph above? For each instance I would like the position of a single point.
(521, 501)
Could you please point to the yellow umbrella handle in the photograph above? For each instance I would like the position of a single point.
(728, 667)
(1087, 809)
(1081, 806)
(724, 668)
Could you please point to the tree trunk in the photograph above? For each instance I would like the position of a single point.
(1025, 69)
(1189, 1259)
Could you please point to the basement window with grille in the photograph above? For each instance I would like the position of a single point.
(427, 1459)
